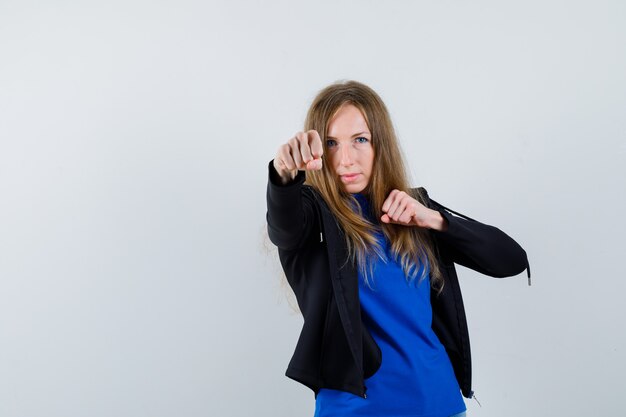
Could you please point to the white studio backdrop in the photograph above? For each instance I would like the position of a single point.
(135, 275)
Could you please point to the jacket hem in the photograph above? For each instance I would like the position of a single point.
(315, 383)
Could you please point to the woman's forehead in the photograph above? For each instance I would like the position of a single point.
(347, 121)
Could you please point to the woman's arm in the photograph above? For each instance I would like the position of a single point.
(475, 245)
(479, 246)
(290, 213)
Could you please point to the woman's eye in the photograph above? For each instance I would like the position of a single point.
(330, 143)
(361, 139)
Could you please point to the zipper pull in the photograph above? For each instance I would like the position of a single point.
(474, 397)
(321, 237)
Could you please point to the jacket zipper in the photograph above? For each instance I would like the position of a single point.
(474, 397)
(319, 222)
(319, 214)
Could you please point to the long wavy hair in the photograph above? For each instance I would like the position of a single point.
(412, 247)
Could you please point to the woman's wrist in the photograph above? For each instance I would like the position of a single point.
(287, 176)
(282, 176)
(438, 222)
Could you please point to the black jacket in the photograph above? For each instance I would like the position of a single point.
(335, 350)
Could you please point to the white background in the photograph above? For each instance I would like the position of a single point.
(136, 278)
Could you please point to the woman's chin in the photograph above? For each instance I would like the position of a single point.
(353, 188)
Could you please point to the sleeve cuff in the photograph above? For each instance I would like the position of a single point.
(451, 221)
(274, 178)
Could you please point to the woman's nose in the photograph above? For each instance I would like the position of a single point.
(346, 156)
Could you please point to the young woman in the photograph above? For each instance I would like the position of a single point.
(371, 263)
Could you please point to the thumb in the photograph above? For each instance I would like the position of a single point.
(314, 164)
(385, 218)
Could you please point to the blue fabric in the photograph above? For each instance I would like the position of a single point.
(416, 378)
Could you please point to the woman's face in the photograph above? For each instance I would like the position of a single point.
(349, 149)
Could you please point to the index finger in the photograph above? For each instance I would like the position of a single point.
(389, 200)
(315, 142)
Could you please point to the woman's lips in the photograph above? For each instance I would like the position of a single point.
(349, 177)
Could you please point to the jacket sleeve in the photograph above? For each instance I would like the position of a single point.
(291, 214)
(479, 246)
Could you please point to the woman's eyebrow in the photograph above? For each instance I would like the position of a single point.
(356, 134)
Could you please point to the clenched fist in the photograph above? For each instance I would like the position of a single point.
(401, 208)
(302, 152)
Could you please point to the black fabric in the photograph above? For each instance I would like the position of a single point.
(334, 349)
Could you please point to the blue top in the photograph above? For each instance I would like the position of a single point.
(416, 378)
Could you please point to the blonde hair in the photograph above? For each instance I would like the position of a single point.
(410, 246)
